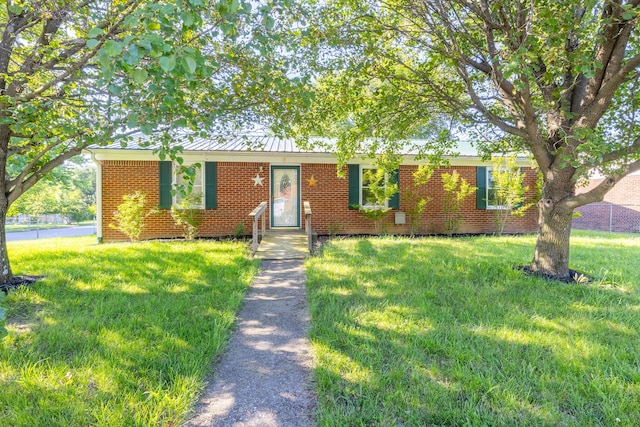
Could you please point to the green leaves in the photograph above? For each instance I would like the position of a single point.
(15, 9)
(139, 75)
(112, 48)
(167, 63)
(189, 64)
(95, 33)
(188, 19)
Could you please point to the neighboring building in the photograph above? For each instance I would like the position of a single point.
(619, 211)
(239, 173)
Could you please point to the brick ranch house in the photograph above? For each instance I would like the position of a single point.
(235, 178)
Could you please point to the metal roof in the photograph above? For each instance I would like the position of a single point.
(250, 143)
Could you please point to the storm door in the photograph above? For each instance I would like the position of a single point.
(285, 196)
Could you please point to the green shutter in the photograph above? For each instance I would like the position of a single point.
(519, 205)
(165, 185)
(394, 178)
(481, 183)
(211, 191)
(354, 186)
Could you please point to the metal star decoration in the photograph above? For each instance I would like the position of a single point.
(312, 181)
(257, 180)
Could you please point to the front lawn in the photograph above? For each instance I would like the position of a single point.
(442, 331)
(116, 334)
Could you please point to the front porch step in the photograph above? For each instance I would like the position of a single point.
(283, 245)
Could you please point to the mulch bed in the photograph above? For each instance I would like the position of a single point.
(574, 276)
(18, 281)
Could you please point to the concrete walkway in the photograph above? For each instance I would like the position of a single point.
(264, 376)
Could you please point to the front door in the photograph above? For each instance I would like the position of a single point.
(285, 196)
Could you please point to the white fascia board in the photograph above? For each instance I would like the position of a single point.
(219, 156)
(271, 157)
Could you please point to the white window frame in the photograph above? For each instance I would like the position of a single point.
(362, 187)
(175, 176)
(488, 187)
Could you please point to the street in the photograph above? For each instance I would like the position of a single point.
(82, 230)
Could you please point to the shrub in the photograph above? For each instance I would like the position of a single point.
(188, 217)
(414, 203)
(334, 228)
(375, 215)
(509, 192)
(130, 216)
(456, 190)
(239, 231)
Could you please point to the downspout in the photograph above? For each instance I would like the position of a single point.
(98, 197)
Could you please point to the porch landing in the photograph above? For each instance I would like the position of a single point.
(283, 245)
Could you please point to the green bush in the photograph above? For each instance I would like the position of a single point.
(456, 190)
(187, 216)
(239, 231)
(375, 215)
(509, 192)
(131, 214)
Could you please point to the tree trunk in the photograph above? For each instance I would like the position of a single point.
(551, 256)
(5, 268)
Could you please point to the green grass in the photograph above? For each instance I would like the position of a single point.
(116, 334)
(444, 332)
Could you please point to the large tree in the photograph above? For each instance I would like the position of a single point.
(557, 78)
(75, 73)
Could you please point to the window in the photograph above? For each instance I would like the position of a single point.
(361, 193)
(487, 194)
(196, 197)
(492, 191)
(167, 179)
(371, 182)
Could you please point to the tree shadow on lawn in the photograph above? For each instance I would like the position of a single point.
(433, 335)
(136, 328)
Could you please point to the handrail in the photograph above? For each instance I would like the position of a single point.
(307, 224)
(255, 214)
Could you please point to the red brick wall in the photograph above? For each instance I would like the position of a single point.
(237, 196)
(329, 202)
(619, 211)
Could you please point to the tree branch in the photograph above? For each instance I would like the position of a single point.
(619, 154)
(597, 194)
(82, 61)
(30, 181)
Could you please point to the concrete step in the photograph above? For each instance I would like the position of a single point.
(283, 245)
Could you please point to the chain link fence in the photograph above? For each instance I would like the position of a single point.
(608, 217)
(24, 219)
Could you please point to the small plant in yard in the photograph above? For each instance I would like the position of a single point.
(508, 191)
(238, 232)
(456, 190)
(374, 215)
(415, 203)
(333, 228)
(131, 214)
(188, 215)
